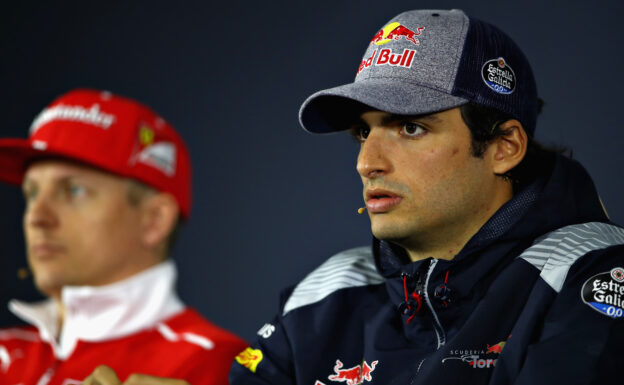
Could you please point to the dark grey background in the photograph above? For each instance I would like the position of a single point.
(271, 201)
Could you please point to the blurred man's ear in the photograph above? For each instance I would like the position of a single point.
(159, 217)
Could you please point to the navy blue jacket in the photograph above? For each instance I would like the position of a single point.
(535, 297)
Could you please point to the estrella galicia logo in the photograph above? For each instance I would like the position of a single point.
(499, 76)
(604, 293)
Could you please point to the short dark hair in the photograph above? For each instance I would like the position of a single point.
(485, 126)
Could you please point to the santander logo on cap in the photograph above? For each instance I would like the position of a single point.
(110, 132)
(91, 115)
(101, 123)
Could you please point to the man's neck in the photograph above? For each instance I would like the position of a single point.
(60, 315)
(444, 247)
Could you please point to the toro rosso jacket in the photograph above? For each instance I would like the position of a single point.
(137, 325)
(535, 297)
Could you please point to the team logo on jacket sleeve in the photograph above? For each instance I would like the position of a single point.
(604, 293)
(250, 358)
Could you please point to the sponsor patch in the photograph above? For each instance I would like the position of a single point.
(392, 32)
(250, 358)
(158, 154)
(604, 293)
(352, 376)
(477, 358)
(266, 331)
(146, 136)
(87, 115)
(499, 76)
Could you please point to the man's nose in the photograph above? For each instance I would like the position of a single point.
(40, 212)
(373, 158)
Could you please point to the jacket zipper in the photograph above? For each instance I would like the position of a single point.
(437, 326)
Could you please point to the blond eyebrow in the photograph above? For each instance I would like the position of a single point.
(394, 118)
(27, 182)
(63, 179)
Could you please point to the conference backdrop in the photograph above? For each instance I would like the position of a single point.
(271, 201)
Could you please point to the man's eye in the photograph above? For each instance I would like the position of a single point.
(75, 190)
(360, 133)
(413, 129)
(363, 133)
(29, 194)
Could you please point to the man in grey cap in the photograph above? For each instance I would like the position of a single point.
(492, 257)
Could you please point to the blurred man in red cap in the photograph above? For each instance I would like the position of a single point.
(106, 183)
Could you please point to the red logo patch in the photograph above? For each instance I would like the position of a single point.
(396, 31)
(353, 376)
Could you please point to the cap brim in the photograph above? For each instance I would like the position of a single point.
(17, 154)
(14, 156)
(335, 109)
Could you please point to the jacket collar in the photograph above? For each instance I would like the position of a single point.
(105, 312)
(391, 259)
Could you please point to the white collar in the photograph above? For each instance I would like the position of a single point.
(105, 312)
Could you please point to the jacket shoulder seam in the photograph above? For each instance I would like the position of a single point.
(554, 253)
(349, 268)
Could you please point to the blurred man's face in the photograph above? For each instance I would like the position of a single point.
(422, 185)
(79, 225)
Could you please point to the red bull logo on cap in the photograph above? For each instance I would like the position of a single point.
(396, 31)
(392, 32)
(352, 376)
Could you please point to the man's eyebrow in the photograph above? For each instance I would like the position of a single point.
(27, 182)
(394, 118)
(63, 178)
(355, 124)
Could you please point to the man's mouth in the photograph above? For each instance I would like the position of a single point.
(381, 201)
(45, 250)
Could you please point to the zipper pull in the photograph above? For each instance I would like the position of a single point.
(413, 302)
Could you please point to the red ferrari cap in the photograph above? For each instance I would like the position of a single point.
(107, 131)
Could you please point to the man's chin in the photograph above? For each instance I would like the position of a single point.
(390, 234)
(48, 286)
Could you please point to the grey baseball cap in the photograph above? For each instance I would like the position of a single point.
(424, 61)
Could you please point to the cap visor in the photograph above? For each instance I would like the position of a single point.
(14, 156)
(335, 109)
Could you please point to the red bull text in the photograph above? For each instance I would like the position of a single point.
(387, 57)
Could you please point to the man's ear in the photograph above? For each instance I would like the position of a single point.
(508, 150)
(159, 216)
